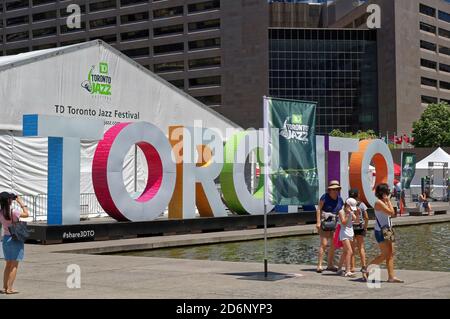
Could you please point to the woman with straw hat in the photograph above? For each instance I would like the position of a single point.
(326, 216)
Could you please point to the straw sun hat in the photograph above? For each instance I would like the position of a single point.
(334, 185)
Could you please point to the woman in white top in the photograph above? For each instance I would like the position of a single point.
(346, 234)
(383, 213)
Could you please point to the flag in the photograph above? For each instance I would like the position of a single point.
(291, 140)
(406, 138)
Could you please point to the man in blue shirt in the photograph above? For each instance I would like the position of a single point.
(326, 217)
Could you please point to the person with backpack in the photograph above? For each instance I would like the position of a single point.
(326, 218)
(13, 249)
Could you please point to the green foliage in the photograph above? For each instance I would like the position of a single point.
(433, 127)
(337, 133)
(369, 134)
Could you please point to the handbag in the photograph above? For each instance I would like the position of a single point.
(387, 231)
(336, 242)
(328, 224)
(18, 230)
(359, 229)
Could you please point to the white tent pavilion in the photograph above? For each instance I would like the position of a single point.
(50, 81)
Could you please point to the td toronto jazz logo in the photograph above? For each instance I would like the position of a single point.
(98, 83)
(293, 129)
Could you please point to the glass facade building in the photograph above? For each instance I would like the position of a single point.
(300, 1)
(335, 67)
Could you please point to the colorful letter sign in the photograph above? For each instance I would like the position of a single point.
(63, 186)
(182, 169)
(107, 174)
(195, 177)
(232, 178)
(377, 152)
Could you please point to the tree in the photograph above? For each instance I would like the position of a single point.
(433, 127)
(361, 135)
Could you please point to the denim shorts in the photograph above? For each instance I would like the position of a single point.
(12, 249)
(379, 236)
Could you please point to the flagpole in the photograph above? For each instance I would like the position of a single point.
(266, 179)
(265, 240)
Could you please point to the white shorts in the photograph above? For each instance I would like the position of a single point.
(346, 235)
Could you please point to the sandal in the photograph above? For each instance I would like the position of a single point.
(395, 281)
(319, 270)
(350, 274)
(11, 292)
(365, 273)
(332, 268)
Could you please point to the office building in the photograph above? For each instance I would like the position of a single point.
(413, 58)
(214, 50)
(335, 67)
(219, 52)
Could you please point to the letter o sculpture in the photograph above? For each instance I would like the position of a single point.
(232, 177)
(378, 152)
(107, 170)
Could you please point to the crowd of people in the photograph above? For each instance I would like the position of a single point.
(343, 224)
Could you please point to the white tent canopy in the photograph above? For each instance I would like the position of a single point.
(422, 169)
(438, 155)
(64, 79)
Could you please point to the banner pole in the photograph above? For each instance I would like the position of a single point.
(266, 180)
(265, 240)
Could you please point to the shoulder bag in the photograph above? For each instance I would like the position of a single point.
(18, 230)
(387, 231)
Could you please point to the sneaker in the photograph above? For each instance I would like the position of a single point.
(340, 272)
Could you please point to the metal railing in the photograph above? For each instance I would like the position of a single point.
(37, 206)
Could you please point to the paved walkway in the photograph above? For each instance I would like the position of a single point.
(43, 274)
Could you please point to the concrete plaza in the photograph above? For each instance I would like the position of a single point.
(43, 273)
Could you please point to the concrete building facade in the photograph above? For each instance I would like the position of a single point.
(413, 58)
(337, 68)
(215, 50)
(218, 50)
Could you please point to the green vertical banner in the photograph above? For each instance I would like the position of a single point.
(408, 169)
(290, 144)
